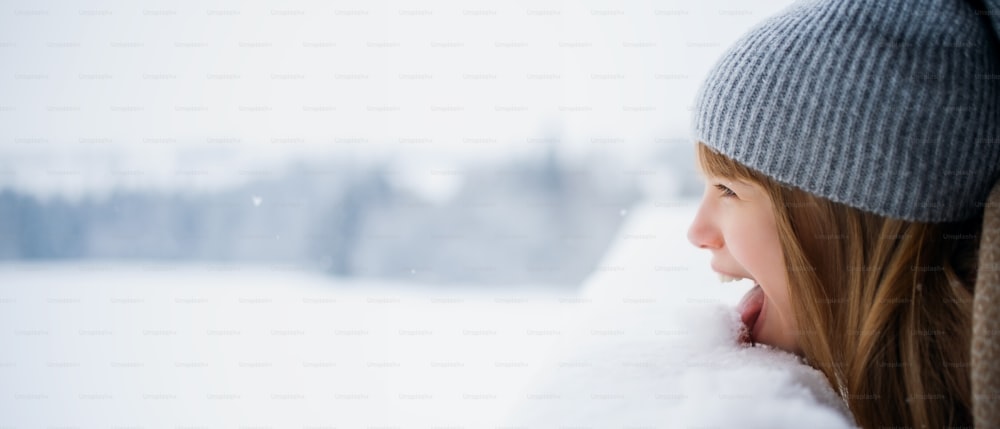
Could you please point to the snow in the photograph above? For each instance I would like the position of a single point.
(648, 341)
(217, 346)
(657, 347)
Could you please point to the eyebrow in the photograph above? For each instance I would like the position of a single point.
(703, 175)
(729, 179)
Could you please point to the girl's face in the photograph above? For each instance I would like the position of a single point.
(735, 221)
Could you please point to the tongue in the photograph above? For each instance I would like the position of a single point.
(750, 306)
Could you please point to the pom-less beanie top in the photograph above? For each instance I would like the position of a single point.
(889, 106)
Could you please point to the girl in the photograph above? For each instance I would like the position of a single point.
(848, 148)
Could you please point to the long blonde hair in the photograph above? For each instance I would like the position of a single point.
(884, 306)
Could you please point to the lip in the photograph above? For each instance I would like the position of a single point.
(727, 273)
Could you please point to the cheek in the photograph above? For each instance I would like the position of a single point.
(756, 247)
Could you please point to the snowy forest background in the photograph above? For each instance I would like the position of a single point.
(538, 219)
(481, 143)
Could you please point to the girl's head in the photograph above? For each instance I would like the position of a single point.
(737, 223)
(847, 149)
(881, 306)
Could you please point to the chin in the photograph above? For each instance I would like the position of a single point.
(779, 343)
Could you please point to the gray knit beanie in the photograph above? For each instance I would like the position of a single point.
(888, 106)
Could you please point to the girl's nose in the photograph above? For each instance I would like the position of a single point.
(703, 233)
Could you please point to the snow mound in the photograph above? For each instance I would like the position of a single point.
(658, 348)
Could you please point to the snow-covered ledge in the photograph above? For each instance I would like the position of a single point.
(655, 346)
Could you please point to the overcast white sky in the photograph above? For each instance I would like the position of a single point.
(103, 92)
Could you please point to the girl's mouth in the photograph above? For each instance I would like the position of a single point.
(751, 307)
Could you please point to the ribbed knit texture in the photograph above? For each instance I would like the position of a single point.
(889, 106)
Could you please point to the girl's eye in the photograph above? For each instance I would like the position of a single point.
(726, 192)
